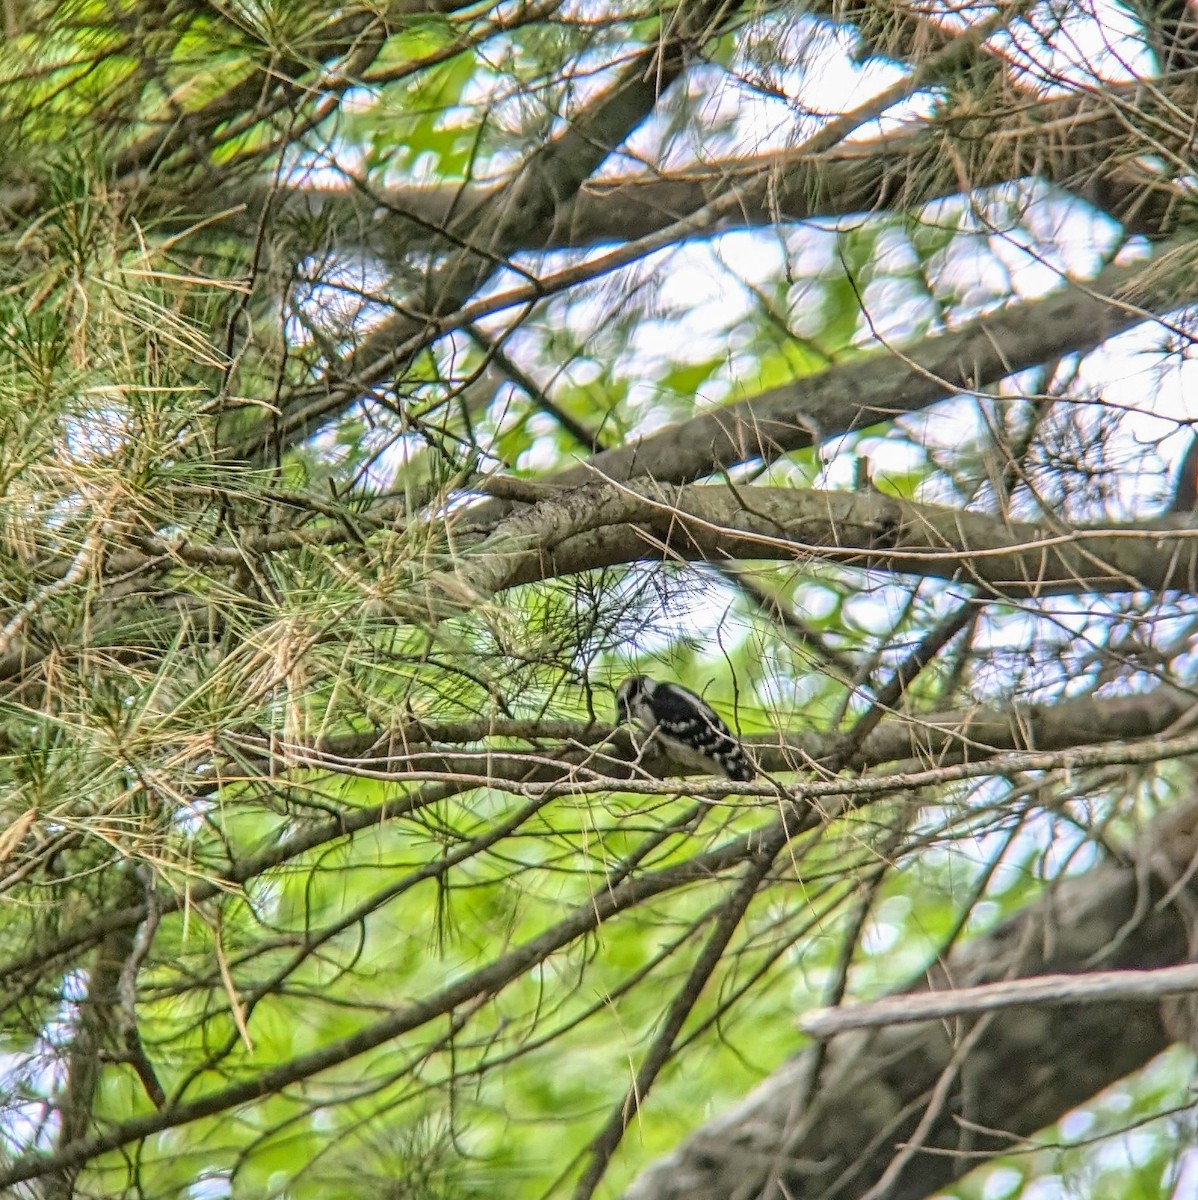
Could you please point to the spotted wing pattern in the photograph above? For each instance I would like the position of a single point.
(693, 732)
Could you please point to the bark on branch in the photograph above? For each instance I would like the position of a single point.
(1093, 987)
(602, 526)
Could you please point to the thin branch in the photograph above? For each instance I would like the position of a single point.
(606, 1141)
(1096, 987)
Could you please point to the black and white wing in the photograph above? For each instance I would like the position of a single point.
(694, 735)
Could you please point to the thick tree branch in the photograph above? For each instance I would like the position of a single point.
(585, 528)
(601, 526)
(1026, 1069)
(789, 418)
(959, 735)
(879, 387)
(898, 172)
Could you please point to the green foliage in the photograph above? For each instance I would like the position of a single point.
(311, 811)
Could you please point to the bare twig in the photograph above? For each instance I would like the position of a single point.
(1097, 987)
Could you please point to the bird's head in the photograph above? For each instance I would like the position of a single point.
(633, 689)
